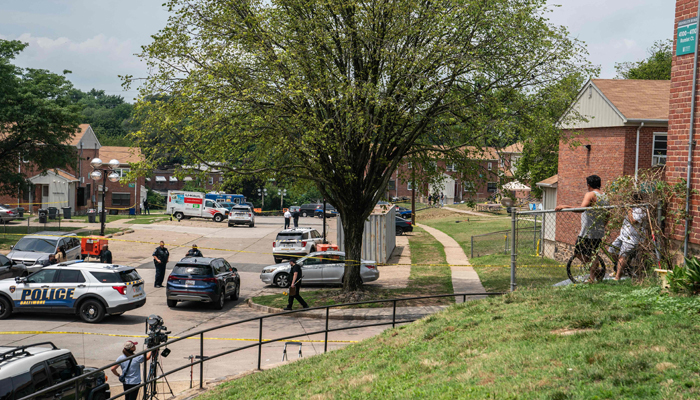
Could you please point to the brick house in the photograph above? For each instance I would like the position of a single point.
(625, 130)
(163, 180)
(72, 186)
(490, 163)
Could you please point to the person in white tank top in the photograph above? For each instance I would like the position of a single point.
(593, 223)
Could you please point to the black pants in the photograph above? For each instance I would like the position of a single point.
(296, 222)
(286, 223)
(160, 274)
(130, 396)
(296, 296)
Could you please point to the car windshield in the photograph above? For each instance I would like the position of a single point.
(192, 270)
(289, 236)
(37, 245)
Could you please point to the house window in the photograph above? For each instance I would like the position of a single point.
(409, 165)
(501, 162)
(659, 150)
(490, 166)
(468, 186)
(491, 187)
(409, 186)
(211, 180)
(392, 185)
(451, 168)
(122, 171)
(221, 178)
(121, 199)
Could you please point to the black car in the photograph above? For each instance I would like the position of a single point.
(309, 210)
(403, 226)
(10, 269)
(203, 279)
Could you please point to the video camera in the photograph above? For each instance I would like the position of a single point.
(156, 331)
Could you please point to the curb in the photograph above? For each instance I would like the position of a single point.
(343, 317)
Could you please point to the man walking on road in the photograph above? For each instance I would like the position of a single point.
(105, 255)
(160, 258)
(296, 286)
(287, 216)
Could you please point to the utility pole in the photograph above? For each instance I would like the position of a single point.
(413, 197)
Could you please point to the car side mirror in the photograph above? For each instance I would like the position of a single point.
(12, 247)
(21, 279)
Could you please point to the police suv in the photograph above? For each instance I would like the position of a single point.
(25, 370)
(90, 290)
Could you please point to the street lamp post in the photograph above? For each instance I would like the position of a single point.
(262, 192)
(101, 173)
(281, 192)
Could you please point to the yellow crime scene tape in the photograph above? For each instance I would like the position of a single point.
(170, 337)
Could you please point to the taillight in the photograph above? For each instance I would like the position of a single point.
(273, 244)
(371, 266)
(172, 278)
(250, 215)
(209, 279)
(303, 244)
(408, 223)
(120, 289)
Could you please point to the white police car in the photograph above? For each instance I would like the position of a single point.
(90, 290)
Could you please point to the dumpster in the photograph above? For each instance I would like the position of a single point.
(53, 211)
(66, 212)
(132, 211)
(91, 247)
(43, 213)
(91, 215)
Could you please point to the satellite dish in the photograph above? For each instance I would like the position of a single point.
(507, 202)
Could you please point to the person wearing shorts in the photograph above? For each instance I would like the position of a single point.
(593, 223)
(630, 236)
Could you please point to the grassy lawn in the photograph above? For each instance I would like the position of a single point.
(603, 341)
(136, 219)
(423, 281)
(15, 233)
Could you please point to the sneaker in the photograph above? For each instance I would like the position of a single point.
(287, 309)
(305, 307)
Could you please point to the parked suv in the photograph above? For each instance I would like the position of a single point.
(25, 370)
(203, 279)
(293, 243)
(241, 215)
(34, 250)
(308, 210)
(90, 290)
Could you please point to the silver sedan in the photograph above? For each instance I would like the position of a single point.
(323, 267)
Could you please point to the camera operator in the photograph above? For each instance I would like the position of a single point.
(131, 370)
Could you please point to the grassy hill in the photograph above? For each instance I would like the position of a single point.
(603, 341)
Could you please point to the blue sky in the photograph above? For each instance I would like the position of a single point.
(97, 39)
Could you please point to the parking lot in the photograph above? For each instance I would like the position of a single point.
(247, 249)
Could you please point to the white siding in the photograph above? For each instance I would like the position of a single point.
(89, 140)
(592, 105)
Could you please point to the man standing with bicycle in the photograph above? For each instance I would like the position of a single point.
(592, 224)
(630, 236)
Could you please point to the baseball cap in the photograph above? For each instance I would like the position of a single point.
(128, 345)
(194, 246)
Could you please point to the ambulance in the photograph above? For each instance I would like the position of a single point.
(194, 204)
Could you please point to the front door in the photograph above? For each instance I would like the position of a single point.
(209, 209)
(69, 285)
(312, 271)
(334, 268)
(6, 270)
(34, 294)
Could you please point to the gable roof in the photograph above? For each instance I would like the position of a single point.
(87, 136)
(550, 182)
(637, 99)
(125, 155)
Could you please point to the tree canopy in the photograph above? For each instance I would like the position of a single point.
(340, 92)
(656, 67)
(37, 119)
(109, 115)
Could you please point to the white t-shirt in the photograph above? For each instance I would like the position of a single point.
(628, 233)
(287, 214)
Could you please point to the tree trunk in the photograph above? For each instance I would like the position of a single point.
(353, 227)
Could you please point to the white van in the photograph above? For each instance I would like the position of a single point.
(193, 204)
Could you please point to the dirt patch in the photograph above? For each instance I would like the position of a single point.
(663, 366)
(569, 332)
(363, 380)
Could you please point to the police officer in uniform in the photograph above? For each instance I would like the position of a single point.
(194, 252)
(105, 255)
(296, 285)
(160, 258)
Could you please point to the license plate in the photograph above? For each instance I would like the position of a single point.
(239, 215)
(138, 290)
(189, 283)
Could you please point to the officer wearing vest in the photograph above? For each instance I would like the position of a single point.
(160, 258)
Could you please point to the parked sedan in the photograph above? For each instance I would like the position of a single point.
(323, 267)
(403, 226)
(203, 279)
(7, 214)
(10, 269)
(403, 212)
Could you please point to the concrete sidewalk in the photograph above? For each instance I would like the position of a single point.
(464, 277)
(474, 213)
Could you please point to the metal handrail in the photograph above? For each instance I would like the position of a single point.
(76, 380)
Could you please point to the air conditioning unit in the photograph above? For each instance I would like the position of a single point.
(82, 179)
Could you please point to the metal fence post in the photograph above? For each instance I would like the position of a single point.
(534, 235)
(393, 316)
(472, 248)
(201, 359)
(514, 221)
(260, 343)
(325, 342)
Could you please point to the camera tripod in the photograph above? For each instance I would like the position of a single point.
(151, 389)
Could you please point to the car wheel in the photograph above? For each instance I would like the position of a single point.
(399, 231)
(313, 250)
(252, 224)
(304, 214)
(5, 308)
(218, 218)
(171, 303)
(179, 215)
(282, 280)
(237, 293)
(220, 301)
(91, 311)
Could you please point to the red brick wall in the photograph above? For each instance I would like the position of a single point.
(679, 122)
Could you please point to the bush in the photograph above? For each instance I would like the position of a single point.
(686, 279)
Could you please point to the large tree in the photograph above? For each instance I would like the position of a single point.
(338, 92)
(109, 116)
(37, 119)
(656, 67)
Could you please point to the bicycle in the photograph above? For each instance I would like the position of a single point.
(580, 271)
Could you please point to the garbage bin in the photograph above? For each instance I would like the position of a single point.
(113, 212)
(66, 212)
(91, 215)
(20, 211)
(53, 211)
(42, 215)
(132, 211)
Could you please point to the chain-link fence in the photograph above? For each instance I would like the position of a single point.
(547, 257)
(528, 233)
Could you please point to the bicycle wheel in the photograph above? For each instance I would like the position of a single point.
(580, 272)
